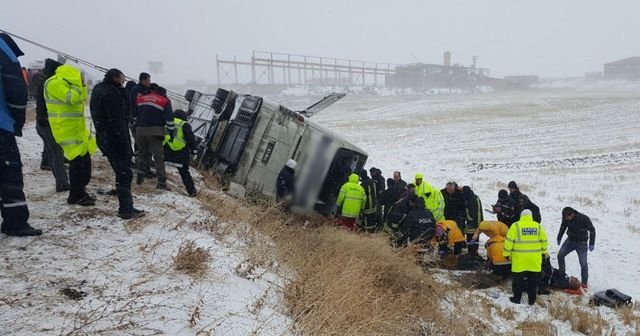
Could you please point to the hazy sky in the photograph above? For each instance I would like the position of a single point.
(545, 37)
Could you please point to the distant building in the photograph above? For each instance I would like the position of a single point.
(521, 82)
(628, 68)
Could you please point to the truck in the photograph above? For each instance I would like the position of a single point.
(246, 140)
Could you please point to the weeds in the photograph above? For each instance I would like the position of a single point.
(191, 259)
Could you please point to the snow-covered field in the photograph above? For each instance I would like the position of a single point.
(122, 272)
(578, 148)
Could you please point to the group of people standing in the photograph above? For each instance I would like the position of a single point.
(141, 110)
(452, 219)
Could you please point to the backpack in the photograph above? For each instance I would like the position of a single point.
(611, 298)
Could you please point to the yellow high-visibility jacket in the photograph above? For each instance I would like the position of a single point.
(351, 198)
(432, 197)
(178, 142)
(525, 244)
(65, 95)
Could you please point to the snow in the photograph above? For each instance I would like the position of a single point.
(304, 91)
(126, 267)
(563, 147)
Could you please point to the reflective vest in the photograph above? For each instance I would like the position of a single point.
(351, 198)
(495, 250)
(525, 244)
(178, 142)
(65, 94)
(433, 199)
(371, 192)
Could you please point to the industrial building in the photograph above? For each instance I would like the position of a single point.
(628, 68)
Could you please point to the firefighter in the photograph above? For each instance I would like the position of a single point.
(432, 197)
(448, 235)
(13, 103)
(351, 202)
(65, 94)
(491, 229)
(505, 208)
(370, 211)
(525, 244)
(179, 150)
(154, 119)
(473, 212)
(108, 113)
(497, 262)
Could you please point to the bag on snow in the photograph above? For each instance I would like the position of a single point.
(611, 298)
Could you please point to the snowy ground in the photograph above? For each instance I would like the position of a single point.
(126, 267)
(578, 148)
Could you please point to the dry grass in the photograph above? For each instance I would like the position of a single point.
(537, 328)
(631, 317)
(581, 320)
(337, 282)
(191, 259)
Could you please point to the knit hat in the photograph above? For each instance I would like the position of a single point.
(503, 194)
(291, 164)
(513, 185)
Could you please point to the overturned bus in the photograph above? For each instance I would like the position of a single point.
(247, 140)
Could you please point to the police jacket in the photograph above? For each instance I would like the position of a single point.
(525, 244)
(13, 89)
(419, 226)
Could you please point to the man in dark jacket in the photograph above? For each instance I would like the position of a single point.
(505, 208)
(154, 118)
(395, 217)
(514, 193)
(391, 195)
(143, 87)
(579, 230)
(112, 135)
(454, 208)
(419, 226)
(55, 155)
(285, 185)
(473, 210)
(179, 150)
(376, 176)
(525, 203)
(370, 211)
(397, 177)
(13, 103)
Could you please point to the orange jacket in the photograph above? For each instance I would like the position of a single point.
(454, 233)
(495, 247)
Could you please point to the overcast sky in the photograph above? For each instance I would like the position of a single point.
(555, 38)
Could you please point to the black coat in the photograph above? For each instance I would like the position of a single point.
(371, 192)
(419, 226)
(109, 117)
(380, 183)
(535, 210)
(473, 207)
(454, 208)
(285, 184)
(507, 212)
(390, 196)
(580, 229)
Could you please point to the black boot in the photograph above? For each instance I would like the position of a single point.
(133, 213)
(84, 200)
(162, 184)
(514, 300)
(139, 179)
(25, 231)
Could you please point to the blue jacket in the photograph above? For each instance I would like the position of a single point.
(13, 89)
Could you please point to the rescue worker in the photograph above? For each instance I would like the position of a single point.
(397, 177)
(497, 231)
(180, 149)
(285, 184)
(395, 217)
(65, 94)
(525, 244)
(13, 103)
(473, 212)
(418, 228)
(491, 229)
(351, 202)
(376, 175)
(390, 196)
(505, 208)
(432, 197)
(109, 117)
(514, 193)
(454, 204)
(448, 235)
(525, 203)
(154, 118)
(370, 210)
(55, 155)
(579, 230)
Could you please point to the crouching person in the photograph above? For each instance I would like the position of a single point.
(179, 150)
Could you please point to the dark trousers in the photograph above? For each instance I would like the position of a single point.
(79, 176)
(473, 249)
(121, 166)
(13, 204)
(181, 159)
(525, 281)
(55, 156)
(148, 146)
(581, 249)
(370, 222)
(501, 270)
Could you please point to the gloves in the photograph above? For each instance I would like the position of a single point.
(591, 248)
(473, 242)
(442, 253)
